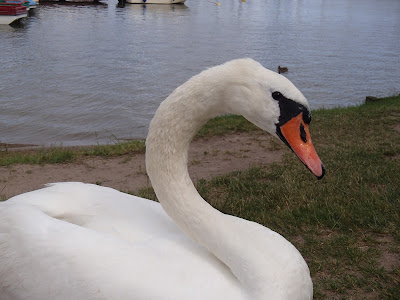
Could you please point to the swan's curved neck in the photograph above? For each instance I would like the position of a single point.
(174, 125)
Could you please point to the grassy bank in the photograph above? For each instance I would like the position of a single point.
(347, 225)
(53, 155)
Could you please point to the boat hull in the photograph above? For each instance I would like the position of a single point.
(6, 20)
(155, 1)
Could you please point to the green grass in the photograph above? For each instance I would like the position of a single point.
(347, 225)
(67, 154)
(226, 124)
(51, 155)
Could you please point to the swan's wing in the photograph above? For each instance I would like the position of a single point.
(42, 257)
(102, 209)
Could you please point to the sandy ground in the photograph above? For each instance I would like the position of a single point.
(207, 158)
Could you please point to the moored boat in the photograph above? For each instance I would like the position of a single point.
(10, 11)
(33, 4)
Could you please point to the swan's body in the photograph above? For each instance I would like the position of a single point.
(81, 241)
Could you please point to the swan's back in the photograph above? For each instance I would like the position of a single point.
(44, 253)
(103, 209)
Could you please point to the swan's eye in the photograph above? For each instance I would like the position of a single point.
(277, 95)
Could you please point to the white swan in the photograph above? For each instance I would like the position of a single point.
(82, 241)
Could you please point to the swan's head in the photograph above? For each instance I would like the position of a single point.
(273, 103)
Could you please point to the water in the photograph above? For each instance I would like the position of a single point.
(76, 75)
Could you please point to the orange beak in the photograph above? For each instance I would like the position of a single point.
(296, 135)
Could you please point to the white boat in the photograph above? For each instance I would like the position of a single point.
(6, 20)
(155, 1)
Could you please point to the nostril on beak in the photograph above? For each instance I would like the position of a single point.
(303, 134)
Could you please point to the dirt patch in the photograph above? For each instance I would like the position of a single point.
(207, 158)
(397, 127)
(389, 260)
(390, 257)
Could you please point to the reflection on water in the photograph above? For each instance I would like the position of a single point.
(95, 74)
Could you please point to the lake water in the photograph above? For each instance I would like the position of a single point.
(76, 75)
